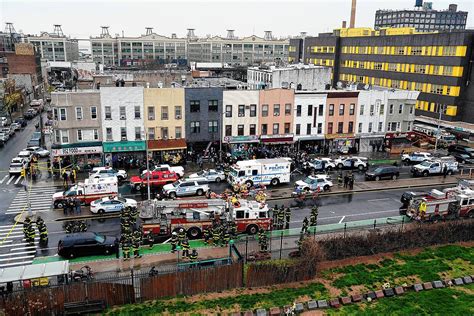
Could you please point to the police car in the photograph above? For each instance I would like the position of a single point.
(107, 205)
(314, 182)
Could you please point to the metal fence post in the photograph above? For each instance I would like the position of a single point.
(375, 223)
(345, 228)
(281, 243)
(246, 247)
(403, 221)
(132, 275)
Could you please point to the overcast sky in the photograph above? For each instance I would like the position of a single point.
(80, 19)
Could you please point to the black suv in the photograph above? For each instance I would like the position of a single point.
(21, 121)
(87, 244)
(462, 150)
(387, 172)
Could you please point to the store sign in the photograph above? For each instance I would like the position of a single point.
(77, 151)
(276, 136)
(116, 147)
(241, 139)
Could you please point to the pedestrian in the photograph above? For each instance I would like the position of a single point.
(65, 179)
(445, 171)
(346, 181)
(77, 204)
(73, 176)
(351, 181)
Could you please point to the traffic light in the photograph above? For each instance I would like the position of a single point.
(23, 172)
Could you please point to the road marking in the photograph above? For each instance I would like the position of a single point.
(17, 258)
(24, 248)
(342, 219)
(16, 264)
(17, 253)
(376, 200)
(10, 228)
(4, 178)
(10, 180)
(350, 215)
(18, 180)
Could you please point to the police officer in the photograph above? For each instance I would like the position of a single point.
(287, 217)
(194, 255)
(185, 245)
(126, 249)
(174, 241)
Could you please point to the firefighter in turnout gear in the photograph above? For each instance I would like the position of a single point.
(233, 229)
(313, 219)
(300, 242)
(43, 232)
(136, 247)
(281, 217)
(126, 250)
(304, 229)
(193, 256)
(185, 245)
(225, 236)
(287, 218)
(207, 234)
(174, 241)
(263, 242)
(216, 234)
(31, 234)
(26, 225)
(181, 235)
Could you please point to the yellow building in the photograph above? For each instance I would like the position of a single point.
(164, 120)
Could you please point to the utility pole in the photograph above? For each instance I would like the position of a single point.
(441, 109)
(147, 165)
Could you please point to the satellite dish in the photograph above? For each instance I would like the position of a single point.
(339, 85)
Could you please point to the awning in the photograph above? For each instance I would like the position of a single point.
(342, 135)
(241, 139)
(34, 271)
(278, 140)
(123, 146)
(310, 137)
(166, 144)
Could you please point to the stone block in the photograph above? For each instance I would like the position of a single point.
(323, 304)
(312, 305)
(356, 298)
(379, 294)
(346, 300)
(458, 281)
(467, 279)
(335, 303)
(437, 284)
(371, 295)
(399, 290)
(418, 287)
(261, 312)
(427, 286)
(275, 311)
(388, 292)
(299, 307)
(248, 313)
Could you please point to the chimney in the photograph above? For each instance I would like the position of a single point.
(149, 30)
(230, 34)
(344, 24)
(191, 34)
(173, 35)
(268, 36)
(105, 31)
(353, 14)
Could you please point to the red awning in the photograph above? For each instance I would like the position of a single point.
(166, 144)
(278, 140)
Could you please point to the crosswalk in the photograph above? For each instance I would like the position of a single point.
(40, 200)
(11, 180)
(14, 250)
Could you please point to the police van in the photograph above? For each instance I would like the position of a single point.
(260, 171)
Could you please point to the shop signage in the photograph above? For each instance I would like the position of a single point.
(77, 151)
(115, 147)
(241, 139)
(276, 136)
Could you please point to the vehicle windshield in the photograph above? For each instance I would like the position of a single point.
(121, 199)
(71, 191)
(201, 173)
(233, 172)
(308, 180)
(378, 170)
(99, 238)
(175, 184)
(426, 164)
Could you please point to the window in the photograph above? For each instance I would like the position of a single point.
(164, 112)
(228, 110)
(310, 110)
(137, 112)
(264, 129)
(253, 110)
(352, 109)
(411, 109)
(93, 112)
(382, 109)
(372, 109)
(240, 130)
(151, 133)
(341, 109)
(287, 128)
(276, 129)
(370, 127)
(177, 112)
(213, 105)
(298, 129)
(62, 114)
(276, 109)
(138, 133)
(96, 134)
(213, 127)
(177, 132)
(78, 113)
(195, 106)
(359, 130)
(164, 132)
(340, 127)
(56, 117)
(151, 113)
(398, 126)
(298, 110)
(253, 129)
(108, 133)
(123, 133)
(228, 130)
(321, 110)
(123, 114)
(390, 109)
(79, 134)
(361, 109)
(64, 137)
(331, 109)
(350, 129)
(400, 109)
(308, 129)
(264, 110)
(330, 128)
(241, 110)
(380, 126)
(195, 127)
(288, 109)
(320, 128)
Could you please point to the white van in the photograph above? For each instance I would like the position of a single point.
(25, 154)
(261, 171)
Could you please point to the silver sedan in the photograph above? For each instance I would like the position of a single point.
(211, 175)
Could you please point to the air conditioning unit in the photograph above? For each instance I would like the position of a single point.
(276, 114)
(122, 117)
(241, 114)
(178, 117)
(151, 118)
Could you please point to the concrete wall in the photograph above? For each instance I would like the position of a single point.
(310, 79)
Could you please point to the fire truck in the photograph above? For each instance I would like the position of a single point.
(161, 218)
(452, 203)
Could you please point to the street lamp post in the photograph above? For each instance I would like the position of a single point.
(147, 165)
(441, 109)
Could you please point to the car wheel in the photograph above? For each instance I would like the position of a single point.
(275, 182)
(361, 167)
(252, 229)
(218, 180)
(107, 251)
(450, 172)
(425, 173)
(137, 187)
(329, 168)
(340, 166)
(172, 195)
(59, 205)
(407, 161)
(249, 184)
(377, 178)
(327, 187)
(394, 177)
(194, 233)
(101, 211)
(71, 255)
(200, 192)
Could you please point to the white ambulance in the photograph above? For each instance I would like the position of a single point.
(261, 171)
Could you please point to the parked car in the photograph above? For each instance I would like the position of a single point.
(155, 178)
(87, 244)
(383, 172)
(8, 130)
(98, 171)
(360, 163)
(4, 137)
(15, 168)
(461, 149)
(21, 121)
(212, 175)
(3, 121)
(30, 113)
(463, 158)
(41, 152)
(15, 126)
(416, 157)
(35, 140)
(314, 182)
(193, 186)
(320, 164)
(25, 154)
(106, 205)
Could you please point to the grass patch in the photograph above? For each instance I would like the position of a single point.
(447, 301)
(277, 297)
